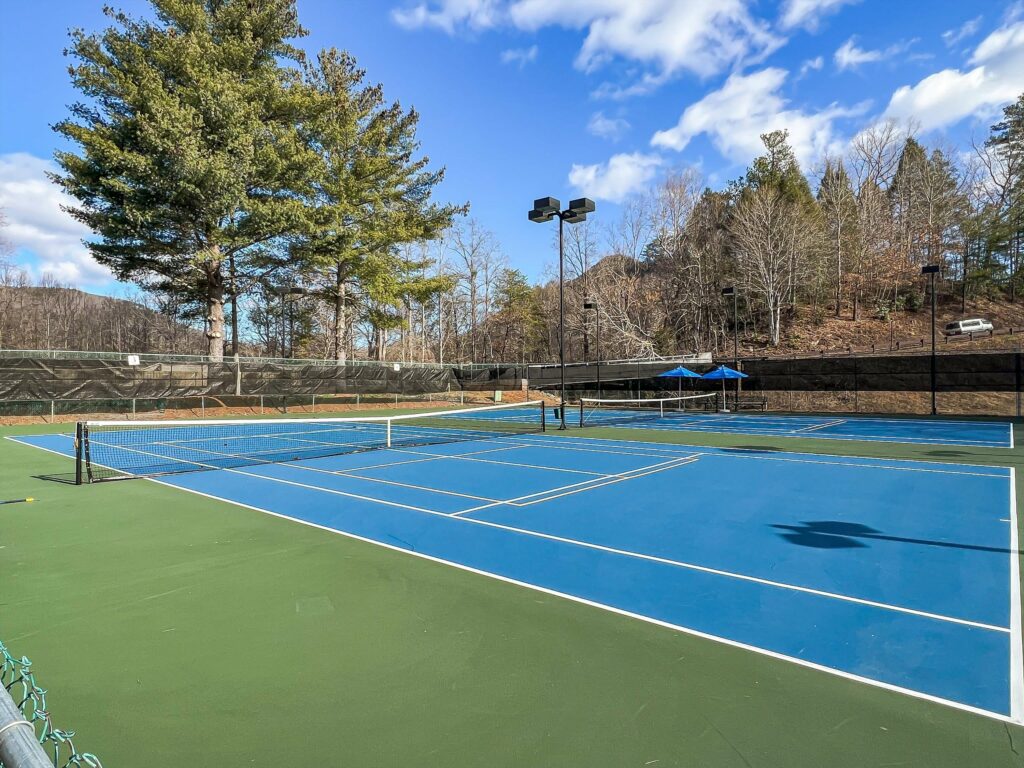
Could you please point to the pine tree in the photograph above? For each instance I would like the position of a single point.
(190, 155)
(1008, 139)
(371, 196)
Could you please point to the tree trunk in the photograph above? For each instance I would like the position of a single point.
(215, 305)
(340, 318)
(234, 306)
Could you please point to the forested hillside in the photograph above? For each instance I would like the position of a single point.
(294, 214)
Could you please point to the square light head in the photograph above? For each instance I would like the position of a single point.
(930, 269)
(547, 205)
(583, 205)
(575, 218)
(728, 290)
(540, 216)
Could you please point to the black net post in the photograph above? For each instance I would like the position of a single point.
(79, 449)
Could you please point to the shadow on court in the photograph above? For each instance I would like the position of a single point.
(835, 534)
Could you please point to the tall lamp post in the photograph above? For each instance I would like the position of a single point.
(932, 270)
(730, 290)
(544, 210)
(589, 303)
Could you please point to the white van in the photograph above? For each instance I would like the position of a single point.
(974, 325)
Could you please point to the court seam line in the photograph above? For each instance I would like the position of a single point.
(728, 451)
(613, 609)
(643, 556)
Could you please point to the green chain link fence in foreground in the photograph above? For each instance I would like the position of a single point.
(28, 738)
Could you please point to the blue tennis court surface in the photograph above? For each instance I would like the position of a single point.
(979, 434)
(900, 574)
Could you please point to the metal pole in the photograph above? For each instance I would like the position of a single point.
(736, 342)
(561, 321)
(19, 745)
(931, 281)
(598, 315)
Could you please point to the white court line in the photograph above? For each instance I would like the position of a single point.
(579, 487)
(612, 609)
(643, 556)
(1015, 629)
(789, 432)
(814, 427)
(1016, 648)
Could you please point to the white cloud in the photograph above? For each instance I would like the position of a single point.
(812, 64)
(953, 36)
(450, 14)
(735, 116)
(951, 95)
(607, 127)
(849, 56)
(808, 13)
(700, 36)
(520, 56)
(622, 176)
(38, 226)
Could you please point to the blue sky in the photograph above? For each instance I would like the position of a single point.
(527, 98)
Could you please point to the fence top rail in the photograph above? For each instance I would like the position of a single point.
(155, 357)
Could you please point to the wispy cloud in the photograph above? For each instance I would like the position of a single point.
(621, 177)
(951, 95)
(809, 13)
(45, 238)
(607, 127)
(968, 29)
(704, 37)
(735, 116)
(849, 56)
(519, 56)
(812, 65)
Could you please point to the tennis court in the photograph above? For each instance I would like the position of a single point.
(896, 574)
(678, 414)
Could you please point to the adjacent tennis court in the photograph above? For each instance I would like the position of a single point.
(897, 574)
(698, 414)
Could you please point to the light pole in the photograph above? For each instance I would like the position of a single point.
(589, 303)
(932, 270)
(544, 210)
(730, 290)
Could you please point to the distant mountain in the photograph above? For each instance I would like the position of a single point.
(61, 318)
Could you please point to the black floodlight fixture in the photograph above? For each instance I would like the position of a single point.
(930, 269)
(573, 218)
(729, 290)
(581, 207)
(544, 209)
(589, 303)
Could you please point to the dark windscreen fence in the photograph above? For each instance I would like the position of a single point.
(27, 379)
(978, 383)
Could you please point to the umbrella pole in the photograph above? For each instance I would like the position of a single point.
(724, 404)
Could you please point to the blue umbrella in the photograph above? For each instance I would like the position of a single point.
(724, 372)
(679, 373)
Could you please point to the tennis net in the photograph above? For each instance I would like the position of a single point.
(598, 412)
(110, 450)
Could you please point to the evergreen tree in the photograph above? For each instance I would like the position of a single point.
(190, 157)
(371, 196)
